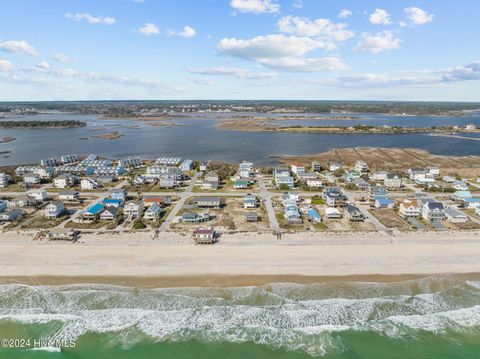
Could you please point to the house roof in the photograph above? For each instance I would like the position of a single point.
(111, 209)
(202, 230)
(96, 208)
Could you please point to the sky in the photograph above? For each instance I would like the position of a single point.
(425, 50)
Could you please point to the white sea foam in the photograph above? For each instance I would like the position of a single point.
(295, 317)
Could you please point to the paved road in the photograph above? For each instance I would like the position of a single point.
(267, 196)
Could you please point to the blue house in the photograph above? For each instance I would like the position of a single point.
(383, 202)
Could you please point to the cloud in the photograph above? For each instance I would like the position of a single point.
(90, 18)
(15, 46)
(187, 32)
(59, 57)
(375, 43)
(302, 64)
(149, 29)
(201, 80)
(6, 66)
(269, 46)
(255, 6)
(43, 66)
(344, 13)
(418, 16)
(230, 71)
(415, 78)
(321, 29)
(380, 17)
(281, 52)
(297, 4)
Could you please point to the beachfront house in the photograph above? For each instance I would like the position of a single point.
(361, 166)
(92, 213)
(297, 168)
(40, 195)
(11, 216)
(133, 209)
(334, 197)
(379, 176)
(433, 171)
(69, 195)
(202, 166)
(109, 213)
(354, 214)
(409, 209)
(5, 179)
(332, 213)
(204, 235)
(455, 216)
(207, 202)
(54, 209)
(89, 184)
(153, 212)
(65, 180)
(433, 211)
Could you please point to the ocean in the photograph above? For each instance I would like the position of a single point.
(434, 317)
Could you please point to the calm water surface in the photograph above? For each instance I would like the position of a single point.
(197, 138)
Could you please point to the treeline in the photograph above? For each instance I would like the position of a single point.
(42, 124)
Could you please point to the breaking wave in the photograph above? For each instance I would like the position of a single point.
(287, 316)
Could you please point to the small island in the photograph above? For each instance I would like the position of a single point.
(42, 124)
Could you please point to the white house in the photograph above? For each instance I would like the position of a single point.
(332, 213)
(31, 179)
(153, 212)
(297, 168)
(393, 181)
(455, 216)
(40, 195)
(409, 209)
(64, 180)
(433, 211)
(333, 166)
(22, 200)
(88, 184)
(460, 186)
(361, 166)
(4, 179)
(68, 196)
(314, 182)
(133, 209)
(109, 213)
(54, 209)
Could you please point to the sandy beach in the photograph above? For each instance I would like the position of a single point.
(238, 259)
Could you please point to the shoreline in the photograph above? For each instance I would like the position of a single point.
(218, 281)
